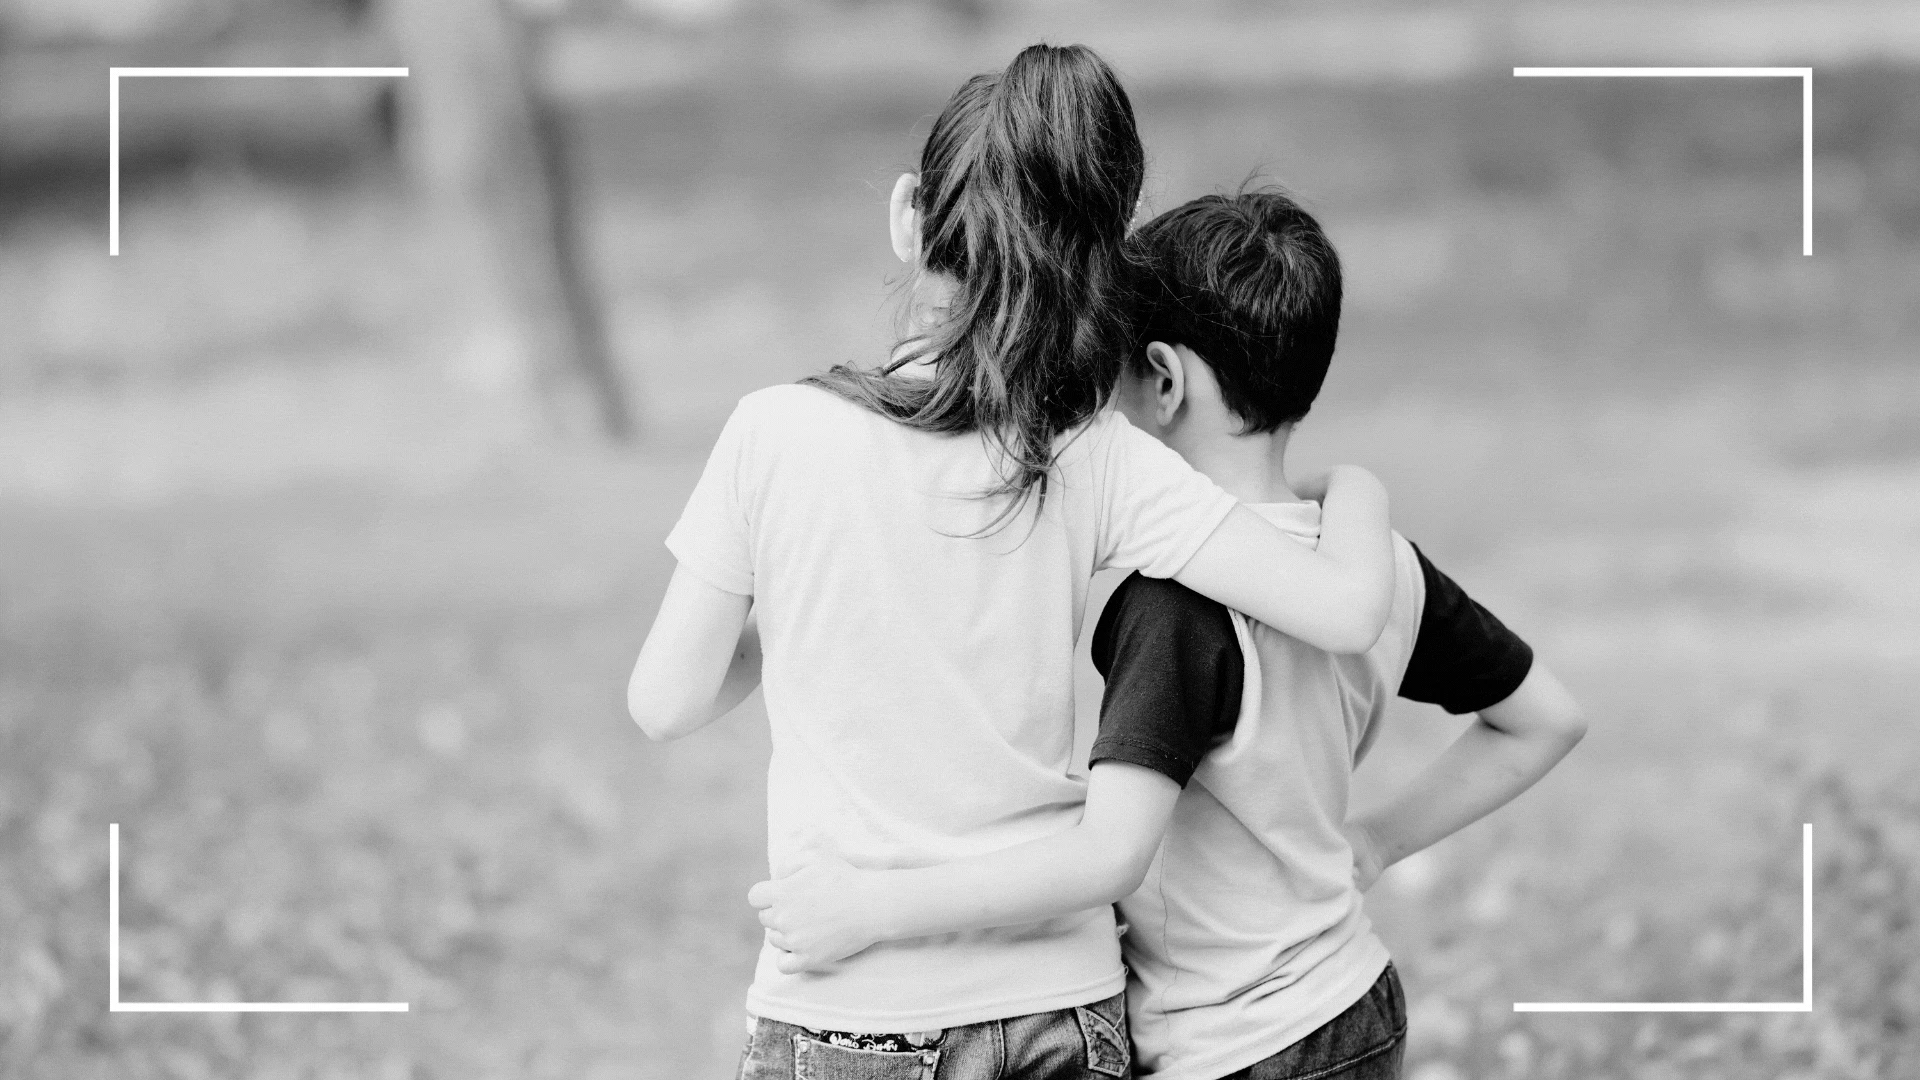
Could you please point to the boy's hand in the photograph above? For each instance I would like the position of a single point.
(1368, 863)
(816, 915)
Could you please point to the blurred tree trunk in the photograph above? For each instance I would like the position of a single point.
(490, 152)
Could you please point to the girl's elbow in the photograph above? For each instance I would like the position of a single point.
(1359, 629)
(1357, 640)
(659, 721)
(651, 723)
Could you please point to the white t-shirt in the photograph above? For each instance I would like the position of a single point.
(919, 680)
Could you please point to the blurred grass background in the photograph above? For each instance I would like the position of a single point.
(295, 591)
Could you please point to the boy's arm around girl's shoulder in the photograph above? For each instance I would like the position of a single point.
(1337, 596)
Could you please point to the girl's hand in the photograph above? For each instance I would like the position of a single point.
(818, 914)
(1368, 862)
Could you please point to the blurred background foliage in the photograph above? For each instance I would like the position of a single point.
(307, 582)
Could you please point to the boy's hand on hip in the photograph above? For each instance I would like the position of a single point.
(816, 915)
(1368, 863)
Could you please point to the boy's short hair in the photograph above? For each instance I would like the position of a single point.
(1251, 284)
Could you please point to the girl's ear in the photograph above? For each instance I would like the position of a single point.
(903, 223)
(1169, 374)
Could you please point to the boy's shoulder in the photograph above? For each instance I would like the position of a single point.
(1155, 621)
(1159, 598)
(1461, 657)
(1147, 619)
(1174, 673)
(1144, 599)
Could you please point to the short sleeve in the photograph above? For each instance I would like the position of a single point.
(1174, 676)
(1464, 659)
(1156, 510)
(712, 539)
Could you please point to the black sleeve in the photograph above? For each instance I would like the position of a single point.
(1173, 671)
(1464, 659)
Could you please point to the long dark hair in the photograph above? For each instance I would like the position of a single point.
(1027, 184)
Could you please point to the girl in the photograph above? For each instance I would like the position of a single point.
(915, 544)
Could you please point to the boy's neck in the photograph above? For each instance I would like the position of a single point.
(1251, 468)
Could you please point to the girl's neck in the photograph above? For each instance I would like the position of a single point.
(921, 368)
(930, 300)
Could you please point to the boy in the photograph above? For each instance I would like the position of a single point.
(1249, 950)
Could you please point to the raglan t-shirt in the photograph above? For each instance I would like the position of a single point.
(918, 671)
(1173, 667)
(1248, 934)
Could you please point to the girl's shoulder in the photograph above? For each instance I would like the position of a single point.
(1093, 440)
(803, 427)
(789, 407)
(783, 399)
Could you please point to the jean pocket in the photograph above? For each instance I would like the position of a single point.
(814, 1059)
(1108, 1053)
(1395, 1005)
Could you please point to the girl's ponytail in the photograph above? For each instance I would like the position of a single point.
(1027, 184)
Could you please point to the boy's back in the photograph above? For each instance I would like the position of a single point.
(1249, 933)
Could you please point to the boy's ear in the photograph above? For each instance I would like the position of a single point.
(1169, 376)
(903, 223)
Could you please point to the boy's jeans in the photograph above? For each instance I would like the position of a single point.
(1364, 1043)
(1084, 1043)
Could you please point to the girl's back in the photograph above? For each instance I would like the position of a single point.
(917, 540)
(918, 669)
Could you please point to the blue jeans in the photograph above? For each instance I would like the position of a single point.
(1088, 1042)
(1366, 1042)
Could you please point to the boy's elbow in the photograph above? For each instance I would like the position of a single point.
(1541, 711)
(1120, 878)
(1568, 724)
(1131, 876)
(1560, 714)
(1125, 870)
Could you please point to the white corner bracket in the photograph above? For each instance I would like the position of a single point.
(114, 1004)
(1804, 74)
(1805, 1004)
(114, 75)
